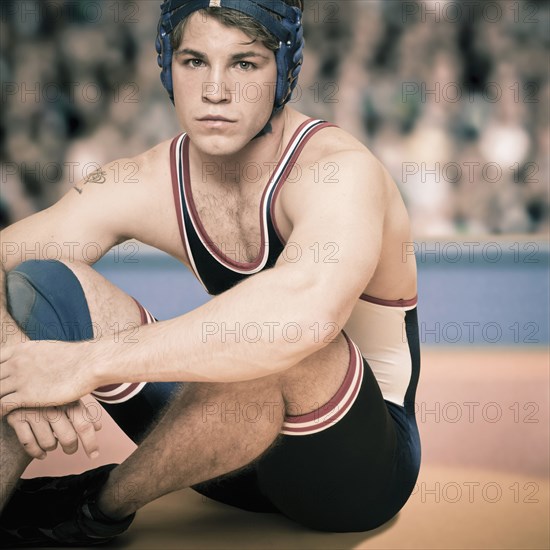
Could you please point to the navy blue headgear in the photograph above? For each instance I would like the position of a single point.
(288, 30)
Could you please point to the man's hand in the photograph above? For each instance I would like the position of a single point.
(41, 374)
(39, 430)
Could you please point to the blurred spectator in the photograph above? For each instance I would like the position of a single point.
(452, 97)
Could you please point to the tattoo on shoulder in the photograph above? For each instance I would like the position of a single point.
(97, 176)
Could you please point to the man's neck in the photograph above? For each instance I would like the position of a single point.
(263, 153)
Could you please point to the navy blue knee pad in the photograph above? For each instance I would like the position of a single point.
(47, 301)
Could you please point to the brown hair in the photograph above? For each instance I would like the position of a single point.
(233, 18)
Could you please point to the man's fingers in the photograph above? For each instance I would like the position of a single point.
(90, 412)
(66, 434)
(8, 404)
(26, 437)
(39, 430)
(42, 431)
(85, 429)
(87, 436)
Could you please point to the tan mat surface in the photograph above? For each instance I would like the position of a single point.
(484, 421)
(452, 508)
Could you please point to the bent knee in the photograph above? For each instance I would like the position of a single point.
(315, 380)
(46, 300)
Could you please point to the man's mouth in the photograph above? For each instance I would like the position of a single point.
(215, 118)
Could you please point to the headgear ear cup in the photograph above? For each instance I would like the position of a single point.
(289, 58)
(164, 51)
(288, 30)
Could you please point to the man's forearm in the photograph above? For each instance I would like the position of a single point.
(262, 326)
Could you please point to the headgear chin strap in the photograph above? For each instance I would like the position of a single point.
(288, 30)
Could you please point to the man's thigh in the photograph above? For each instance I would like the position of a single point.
(111, 309)
(332, 466)
(332, 469)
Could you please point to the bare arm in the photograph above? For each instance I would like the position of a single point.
(277, 317)
(32, 427)
(82, 226)
(272, 320)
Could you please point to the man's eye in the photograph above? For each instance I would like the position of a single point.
(246, 65)
(194, 62)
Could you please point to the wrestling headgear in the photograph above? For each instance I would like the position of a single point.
(288, 30)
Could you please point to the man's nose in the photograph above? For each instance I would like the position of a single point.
(219, 88)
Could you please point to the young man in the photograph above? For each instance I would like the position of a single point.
(310, 345)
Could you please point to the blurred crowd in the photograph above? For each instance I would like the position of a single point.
(451, 96)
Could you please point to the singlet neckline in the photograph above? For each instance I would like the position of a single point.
(203, 234)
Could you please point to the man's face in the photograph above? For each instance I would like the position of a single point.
(218, 71)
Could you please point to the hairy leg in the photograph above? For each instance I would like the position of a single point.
(13, 461)
(13, 458)
(214, 429)
(198, 431)
(108, 305)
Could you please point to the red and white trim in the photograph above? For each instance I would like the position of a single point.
(404, 304)
(119, 393)
(332, 412)
(302, 141)
(378, 327)
(183, 194)
(179, 199)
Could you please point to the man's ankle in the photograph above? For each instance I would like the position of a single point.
(111, 502)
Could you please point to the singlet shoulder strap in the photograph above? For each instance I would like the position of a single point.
(302, 135)
(175, 172)
(296, 145)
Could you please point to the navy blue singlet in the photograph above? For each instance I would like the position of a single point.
(213, 268)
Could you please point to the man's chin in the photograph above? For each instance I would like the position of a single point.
(220, 145)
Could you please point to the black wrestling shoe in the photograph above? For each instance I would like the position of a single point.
(59, 511)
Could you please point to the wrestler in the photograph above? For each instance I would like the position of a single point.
(291, 391)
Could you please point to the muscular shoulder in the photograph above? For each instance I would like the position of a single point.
(151, 199)
(337, 145)
(333, 157)
(154, 163)
(125, 195)
(143, 179)
(123, 178)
